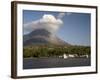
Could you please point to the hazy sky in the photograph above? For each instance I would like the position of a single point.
(75, 28)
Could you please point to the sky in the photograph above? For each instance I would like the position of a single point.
(73, 28)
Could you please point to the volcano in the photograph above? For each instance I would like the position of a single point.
(42, 37)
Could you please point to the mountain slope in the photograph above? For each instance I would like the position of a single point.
(42, 36)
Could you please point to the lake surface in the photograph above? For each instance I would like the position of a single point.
(33, 63)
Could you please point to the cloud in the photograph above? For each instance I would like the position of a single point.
(68, 13)
(60, 15)
(48, 22)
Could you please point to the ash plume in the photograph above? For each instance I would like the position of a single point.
(48, 22)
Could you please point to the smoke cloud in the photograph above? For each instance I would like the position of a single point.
(48, 22)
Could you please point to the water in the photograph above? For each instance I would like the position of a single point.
(33, 63)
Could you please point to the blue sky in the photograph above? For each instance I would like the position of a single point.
(75, 29)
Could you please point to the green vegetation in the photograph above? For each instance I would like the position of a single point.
(54, 51)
